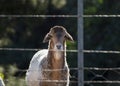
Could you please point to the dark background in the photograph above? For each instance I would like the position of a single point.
(99, 34)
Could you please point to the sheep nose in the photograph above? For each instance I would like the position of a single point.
(58, 46)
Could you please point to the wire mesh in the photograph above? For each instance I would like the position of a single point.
(91, 70)
(88, 69)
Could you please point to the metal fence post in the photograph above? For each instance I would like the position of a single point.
(80, 44)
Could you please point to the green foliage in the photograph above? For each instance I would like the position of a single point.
(9, 76)
(59, 3)
(1, 72)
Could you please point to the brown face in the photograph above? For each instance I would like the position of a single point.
(58, 35)
(58, 38)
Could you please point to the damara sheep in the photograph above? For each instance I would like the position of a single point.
(49, 67)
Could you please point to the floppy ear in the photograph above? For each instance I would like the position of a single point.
(47, 38)
(69, 37)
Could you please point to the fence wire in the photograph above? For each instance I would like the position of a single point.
(85, 68)
(61, 16)
(85, 51)
(37, 16)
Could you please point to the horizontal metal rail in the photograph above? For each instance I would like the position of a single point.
(85, 51)
(62, 16)
(85, 68)
(102, 82)
(85, 82)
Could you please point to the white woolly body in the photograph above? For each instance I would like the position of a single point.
(34, 73)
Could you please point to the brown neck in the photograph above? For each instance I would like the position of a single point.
(56, 61)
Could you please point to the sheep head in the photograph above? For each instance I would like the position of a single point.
(57, 37)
